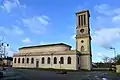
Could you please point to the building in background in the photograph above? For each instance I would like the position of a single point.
(6, 62)
(60, 55)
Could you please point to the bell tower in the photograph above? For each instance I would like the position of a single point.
(83, 39)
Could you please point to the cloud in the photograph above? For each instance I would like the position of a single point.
(42, 43)
(10, 5)
(73, 36)
(103, 9)
(14, 30)
(116, 19)
(10, 51)
(17, 30)
(107, 32)
(82, 7)
(100, 54)
(26, 40)
(36, 24)
(107, 9)
(106, 36)
(107, 13)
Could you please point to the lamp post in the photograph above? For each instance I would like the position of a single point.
(114, 56)
(114, 53)
(3, 46)
(60, 64)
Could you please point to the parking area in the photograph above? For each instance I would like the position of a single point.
(28, 74)
(82, 75)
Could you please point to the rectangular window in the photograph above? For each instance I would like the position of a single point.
(84, 19)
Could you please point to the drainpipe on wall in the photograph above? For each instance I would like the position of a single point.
(51, 59)
(25, 60)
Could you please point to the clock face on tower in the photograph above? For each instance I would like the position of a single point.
(82, 30)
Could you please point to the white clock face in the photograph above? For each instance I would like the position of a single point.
(82, 30)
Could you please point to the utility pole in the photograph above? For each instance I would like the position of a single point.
(115, 55)
(3, 52)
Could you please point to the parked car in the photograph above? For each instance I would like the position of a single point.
(62, 72)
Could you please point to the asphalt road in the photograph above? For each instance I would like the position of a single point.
(25, 74)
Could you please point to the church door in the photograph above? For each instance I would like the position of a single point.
(37, 64)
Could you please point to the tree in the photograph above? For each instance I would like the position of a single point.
(9, 58)
(117, 59)
(105, 59)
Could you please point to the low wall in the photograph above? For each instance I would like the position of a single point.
(103, 69)
(118, 68)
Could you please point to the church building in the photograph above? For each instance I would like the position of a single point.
(60, 55)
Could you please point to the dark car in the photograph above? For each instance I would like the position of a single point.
(62, 72)
(3, 68)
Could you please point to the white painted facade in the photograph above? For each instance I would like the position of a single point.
(81, 58)
(72, 66)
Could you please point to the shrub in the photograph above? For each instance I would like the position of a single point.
(118, 62)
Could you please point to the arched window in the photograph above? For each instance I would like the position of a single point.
(62, 60)
(22, 60)
(84, 19)
(78, 60)
(55, 60)
(69, 60)
(48, 60)
(18, 60)
(15, 60)
(82, 48)
(43, 60)
(27, 60)
(32, 60)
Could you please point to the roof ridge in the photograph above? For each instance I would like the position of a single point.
(45, 45)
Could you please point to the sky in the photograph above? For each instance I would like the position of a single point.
(37, 22)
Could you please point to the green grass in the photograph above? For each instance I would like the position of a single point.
(113, 73)
(51, 69)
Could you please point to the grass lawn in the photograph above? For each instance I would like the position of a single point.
(51, 69)
(113, 73)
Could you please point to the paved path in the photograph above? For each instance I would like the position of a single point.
(25, 74)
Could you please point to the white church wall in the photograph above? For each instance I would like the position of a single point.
(46, 65)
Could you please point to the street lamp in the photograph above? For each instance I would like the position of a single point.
(60, 64)
(114, 52)
(3, 52)
(114, 56)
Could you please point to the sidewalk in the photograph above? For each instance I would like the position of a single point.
(10, 74)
